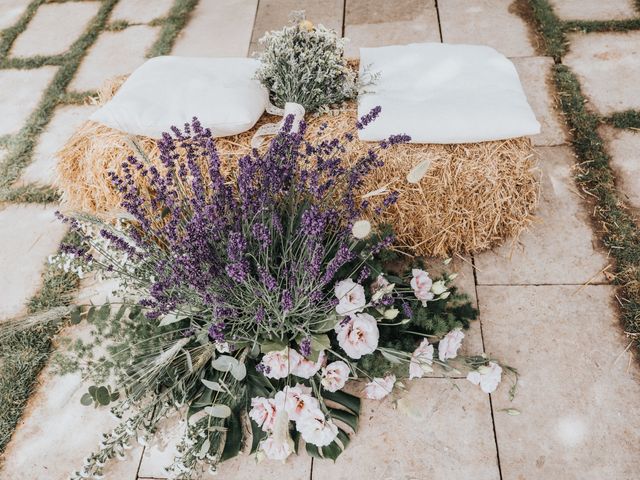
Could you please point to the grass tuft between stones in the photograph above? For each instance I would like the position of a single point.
(626, 119)
(23, 355)
(615, 224)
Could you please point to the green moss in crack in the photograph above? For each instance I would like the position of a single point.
(171, 27)
(550, 28)
(618, 230)
(626, 119)
(592, 26)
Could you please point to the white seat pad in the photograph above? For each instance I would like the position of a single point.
(166, 91)
(440, 93)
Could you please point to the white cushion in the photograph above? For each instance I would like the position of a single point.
(166, 91)
(439, 93)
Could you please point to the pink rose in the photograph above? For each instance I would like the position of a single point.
(350, 295)
(359, 336)
(421, 357)
(449, 345)
(379, 388)
(488, 377)
(306, 368)
(316, 429)
(263, 412)
(297, 401)
(279, 364)
(335, 376)
(421, 284)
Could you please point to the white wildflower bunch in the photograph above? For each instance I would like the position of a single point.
(305, 64)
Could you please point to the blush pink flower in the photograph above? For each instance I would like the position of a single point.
(379, 388)
(359, 336)
(279, 444)
(279, 364)
(335, 376)
(421, 284)
(350, 295)
(297, 401)
(422, 357)
(263, 412)
(488, 377)
(316, 429)
(450, 344)
(306, 368)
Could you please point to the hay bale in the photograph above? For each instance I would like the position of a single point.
(472, 198)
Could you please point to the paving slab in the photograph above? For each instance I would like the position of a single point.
(11, 11)
(594, 9)
(376, 23)
(487, 22)
(535, 76)
(579, 389)
(218, 29)
(66, 120)
(157, 458)
(446, 434)
(54, 28)
(559, 247)
(141, 11)
(28, 235)
(113, 54)
(624, 148)
(608, 67)
(275, 14)
(20, 93)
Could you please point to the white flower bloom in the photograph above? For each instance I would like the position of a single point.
(439, 287)
(361, 229)
(306, 368)
(379, 388)
(280, 363)
(488, 377)
(421, 359)
(359, 336)
(279, 445)
(335, 376)
(297, 401)
(351, 298)
(448, 347)
(421, 284)
(316, 429)
(263, 412)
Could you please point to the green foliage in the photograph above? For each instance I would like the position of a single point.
(172, 25)
(550, 28)
(626, 119)
(618, 230)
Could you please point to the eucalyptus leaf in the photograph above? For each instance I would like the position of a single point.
(169, 319)
(196, 417)
(327, 324)
(102, 396)
(320, 342)
(224, 363)
(86, 399)
(215, 386)
(272, 346)
(239, 371)
(218, 411)
(204, 448)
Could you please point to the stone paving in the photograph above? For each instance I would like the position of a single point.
(545, 306)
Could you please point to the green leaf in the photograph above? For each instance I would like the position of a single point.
(103, 312)
(90, 313)
(256, 435)
(215, 386)
(233, 441)
(345, 400)
(169, 319)
(92, 390)
(102, 396)
(272, 346)
(204, 448)
(239, 371)
(75, 317)
(86, 399)
(320, 342)
(115, 396)
(120, 313)
(197, 416)
(224, 363)
(391, 358)
(218, 410)
(345, 417)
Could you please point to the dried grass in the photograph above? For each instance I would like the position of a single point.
(472, 197)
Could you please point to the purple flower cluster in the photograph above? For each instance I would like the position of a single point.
(259, 245)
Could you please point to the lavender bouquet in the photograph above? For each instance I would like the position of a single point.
(248, 301)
